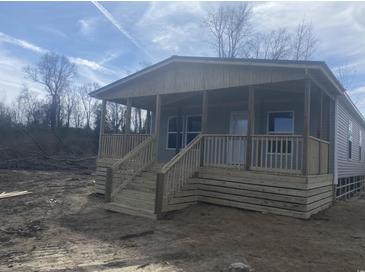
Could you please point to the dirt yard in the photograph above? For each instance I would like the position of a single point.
(60, 226)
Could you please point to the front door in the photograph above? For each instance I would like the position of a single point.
(237, 148)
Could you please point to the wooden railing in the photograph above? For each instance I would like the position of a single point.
(174, 175)
(317, 156)
(277, 153)
(124, 170)
(224, 150)
(118, 145)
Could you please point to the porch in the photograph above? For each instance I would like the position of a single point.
(273, 154)
(254, 134)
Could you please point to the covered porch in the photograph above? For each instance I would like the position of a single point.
(243, 133)
(278, 128)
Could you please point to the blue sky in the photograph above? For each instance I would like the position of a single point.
(108, 40)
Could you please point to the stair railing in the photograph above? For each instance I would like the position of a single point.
(124, 170)
(175, 174)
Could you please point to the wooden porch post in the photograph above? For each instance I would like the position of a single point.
(320, 133)
(306, 129)
(178, 130)
(157, 117)
(128, 116)
(250, 125)
(204, 126)
(102, 125)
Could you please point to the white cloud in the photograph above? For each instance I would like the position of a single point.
(21, 43)
(116, 24)
(87, 25)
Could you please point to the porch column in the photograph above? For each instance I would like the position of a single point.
(178, 130)
(157, 117)
(320, 133)
(306, 128)
(250, 125)
(102, 125)
(204, 112)
(128, 116)
(204, 125)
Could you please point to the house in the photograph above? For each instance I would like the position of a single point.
(273, 136)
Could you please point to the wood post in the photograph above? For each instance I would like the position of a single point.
(250, 125)
(178, 130)
(306, 129)
(204, 125)
(157, 120)
(128, 116)
(159, 200)
(320, 133)
(108, 185)
(102, 125)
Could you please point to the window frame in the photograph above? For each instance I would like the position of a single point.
(174, 132)
(280, 132)
(350, 139)
(360, 145)
(186, 132)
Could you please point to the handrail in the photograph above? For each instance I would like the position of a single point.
(123, 171)
(133, 152)
(175, 174)
(319, 140)
(178, 156)
(117, 145)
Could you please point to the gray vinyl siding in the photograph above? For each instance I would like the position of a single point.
(219, 118)
(348, 167)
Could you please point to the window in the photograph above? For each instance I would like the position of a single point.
(172, 130)
(281, 122)
(193, 127)
(350, 140)
(360, 145)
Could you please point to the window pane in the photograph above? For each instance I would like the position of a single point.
(172, 127)
(281, 122)
(350, 149)
(194, 124)
(171, 142)
(190, 137)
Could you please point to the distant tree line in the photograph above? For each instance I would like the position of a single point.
(66, 104)
(64, 121)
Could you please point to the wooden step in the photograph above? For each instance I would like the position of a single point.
(144, 187)
(116, 207)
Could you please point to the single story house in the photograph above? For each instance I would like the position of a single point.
(274, 136)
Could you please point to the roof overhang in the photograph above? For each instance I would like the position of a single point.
(309, 67)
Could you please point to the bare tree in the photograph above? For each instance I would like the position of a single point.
(304, 41)
(88, 103)
(277, 44)
(30, 108)
(229, 26)
(115, 117)
(55, 73)
(274, 45)
(70, 100)
(234, 36)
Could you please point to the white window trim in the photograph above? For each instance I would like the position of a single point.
(279, 132)
(350, 138)
(360, 146)
(167, 132)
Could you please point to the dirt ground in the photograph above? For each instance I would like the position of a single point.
(60, 226)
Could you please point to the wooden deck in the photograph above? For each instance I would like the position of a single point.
(294, 196)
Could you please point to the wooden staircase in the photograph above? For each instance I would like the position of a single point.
(138, 196)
